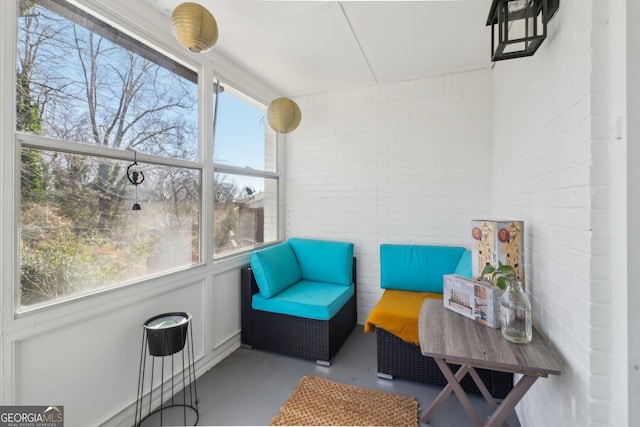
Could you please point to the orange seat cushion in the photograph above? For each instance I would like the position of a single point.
(397, 312)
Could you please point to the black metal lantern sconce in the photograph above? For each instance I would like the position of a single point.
(136, 178)
(518, 27)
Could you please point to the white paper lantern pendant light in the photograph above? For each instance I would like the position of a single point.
(194, 26)
(283, 115)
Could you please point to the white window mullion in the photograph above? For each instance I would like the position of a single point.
(236, 170)
(207, 110)
(282, 220)
(44, 143)
(9, 199)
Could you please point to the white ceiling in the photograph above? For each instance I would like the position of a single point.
(304, 47)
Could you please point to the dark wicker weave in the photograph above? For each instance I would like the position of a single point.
(398, 358)
(318, 340)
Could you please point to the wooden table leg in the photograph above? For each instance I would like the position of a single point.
(500, 412)
(511, 400)
(462, 371)
(483, 389)
(459, 391)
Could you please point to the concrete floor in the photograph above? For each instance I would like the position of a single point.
(250, 386)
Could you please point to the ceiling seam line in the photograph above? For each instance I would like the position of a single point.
(364, 56)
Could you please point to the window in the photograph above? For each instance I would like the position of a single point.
(246, 178)
(89, 99)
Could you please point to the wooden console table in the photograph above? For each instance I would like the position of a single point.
(449, 337)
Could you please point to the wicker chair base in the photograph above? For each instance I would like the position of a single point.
(397, 358)
(318, 340)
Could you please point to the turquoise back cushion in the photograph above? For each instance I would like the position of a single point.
(275, 269)
(464, 265)
(323, 260)
(417, 267)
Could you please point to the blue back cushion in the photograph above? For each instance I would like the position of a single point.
(324, 261)
(464, 265)
(417, 267)
(275, 269)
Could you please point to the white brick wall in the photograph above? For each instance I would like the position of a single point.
(632, 367)
(532, 139)
(552, 135)
(407, 163)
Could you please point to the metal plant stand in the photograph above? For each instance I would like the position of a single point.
(163, 337)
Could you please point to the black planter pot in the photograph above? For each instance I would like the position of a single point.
(167, 333)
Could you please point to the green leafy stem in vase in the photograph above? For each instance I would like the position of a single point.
(501, 276)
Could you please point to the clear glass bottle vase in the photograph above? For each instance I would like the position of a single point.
(515, 314)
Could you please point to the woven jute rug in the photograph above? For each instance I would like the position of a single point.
(320, 402)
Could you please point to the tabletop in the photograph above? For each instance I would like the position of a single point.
(457, 339)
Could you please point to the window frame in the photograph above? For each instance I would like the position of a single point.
(207, 78)
(278, 175)
(236, 170)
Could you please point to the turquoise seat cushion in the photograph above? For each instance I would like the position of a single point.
(275, 269)
(417, 267)
(308, 299)
(324, 261)
(464, 265)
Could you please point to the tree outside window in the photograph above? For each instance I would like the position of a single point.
(90, 99)
(246, 178)
(97, 96)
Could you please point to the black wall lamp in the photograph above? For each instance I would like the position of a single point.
(518, 27)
